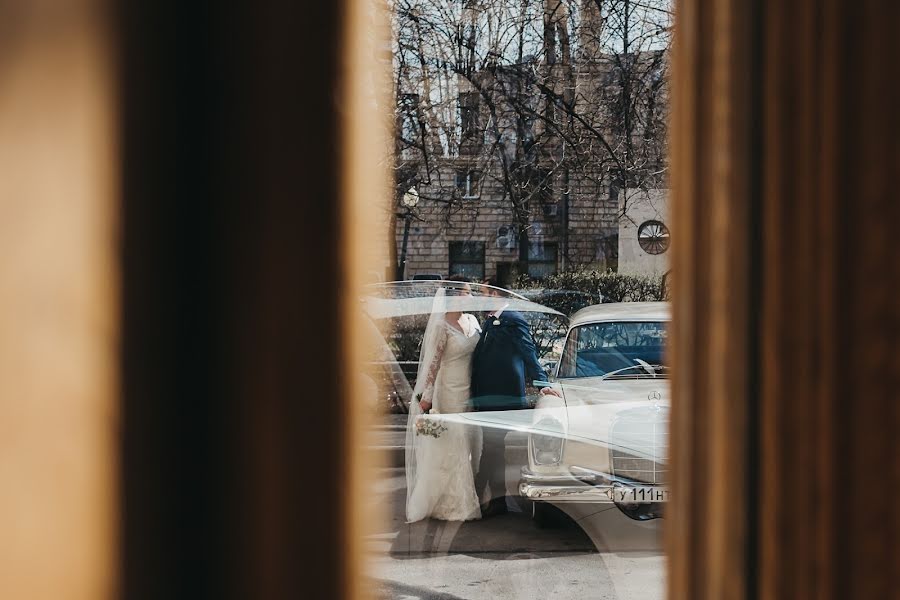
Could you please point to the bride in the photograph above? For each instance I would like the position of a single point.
(440, 457)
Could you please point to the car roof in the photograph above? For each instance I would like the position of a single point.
(622, 311)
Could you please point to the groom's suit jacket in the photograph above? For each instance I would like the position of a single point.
(504, 357)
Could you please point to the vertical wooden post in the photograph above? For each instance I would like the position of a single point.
(58, 301)
(830, 328)
(714, 173)
(241, 250)
(784, 156)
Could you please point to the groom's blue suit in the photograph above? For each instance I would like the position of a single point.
(504, 359)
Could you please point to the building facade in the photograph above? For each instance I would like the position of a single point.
(551, 162)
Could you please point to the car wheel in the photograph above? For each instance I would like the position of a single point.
(545, 515)
(641, 512)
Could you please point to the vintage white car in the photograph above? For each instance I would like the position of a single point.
(598, 451)
(605, 439)
(605, 435)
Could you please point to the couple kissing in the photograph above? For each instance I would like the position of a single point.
(465, 366)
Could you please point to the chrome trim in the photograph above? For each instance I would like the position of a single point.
(573, 493)
(625, 464)
(587, 487)
(530, 477)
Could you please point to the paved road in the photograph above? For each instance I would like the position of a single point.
(509, 556)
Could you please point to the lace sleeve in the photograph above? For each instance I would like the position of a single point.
(431, 377)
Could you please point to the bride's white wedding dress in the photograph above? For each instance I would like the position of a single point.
(441, 480)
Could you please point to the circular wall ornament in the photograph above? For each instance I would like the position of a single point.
(653, 237)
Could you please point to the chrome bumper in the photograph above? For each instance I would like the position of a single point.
(583, 486)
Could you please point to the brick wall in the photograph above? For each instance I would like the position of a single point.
(443, 217)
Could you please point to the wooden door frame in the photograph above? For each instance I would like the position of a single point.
(785, 313)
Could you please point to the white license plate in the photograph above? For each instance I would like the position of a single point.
(644, 494)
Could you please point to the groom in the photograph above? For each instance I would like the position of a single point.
(504, 359)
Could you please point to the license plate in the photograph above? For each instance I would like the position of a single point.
(639, 494)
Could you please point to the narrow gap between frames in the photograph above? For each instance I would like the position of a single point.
(753, 446)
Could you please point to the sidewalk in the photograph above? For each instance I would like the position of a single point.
(501, 557)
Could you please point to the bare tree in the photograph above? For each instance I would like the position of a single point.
(530, 96)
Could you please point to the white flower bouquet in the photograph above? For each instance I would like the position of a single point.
(430, 427)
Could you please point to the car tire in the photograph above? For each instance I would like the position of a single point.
(544, 515)
(641, 512)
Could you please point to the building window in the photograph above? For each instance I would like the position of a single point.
(467, 33)
(467, 183)
(608, 251)
(542, 259)
(541, 185)
(507, 237)
(653, 237)
(469, 113)
(467, 259)
(490, 135)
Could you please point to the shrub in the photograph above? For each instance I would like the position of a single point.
(404, 336)
(586, 287)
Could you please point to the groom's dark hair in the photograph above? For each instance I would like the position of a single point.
(460, 278)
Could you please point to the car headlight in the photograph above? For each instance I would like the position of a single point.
(547, 449)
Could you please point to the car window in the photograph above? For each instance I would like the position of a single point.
(598, 349)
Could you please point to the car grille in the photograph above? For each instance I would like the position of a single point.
(640, 431)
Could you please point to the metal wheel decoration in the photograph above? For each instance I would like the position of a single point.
(653, 237)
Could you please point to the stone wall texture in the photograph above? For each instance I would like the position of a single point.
(597, 231)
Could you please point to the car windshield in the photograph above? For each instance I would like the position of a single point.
(598, 349)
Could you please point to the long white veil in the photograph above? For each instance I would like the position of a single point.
(435, 334)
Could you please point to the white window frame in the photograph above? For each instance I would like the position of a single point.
(470, 178)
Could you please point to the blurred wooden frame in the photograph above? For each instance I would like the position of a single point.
(714, 177)
(786, 323)
(59, 317)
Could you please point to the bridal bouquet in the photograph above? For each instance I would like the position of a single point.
(428, 427)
